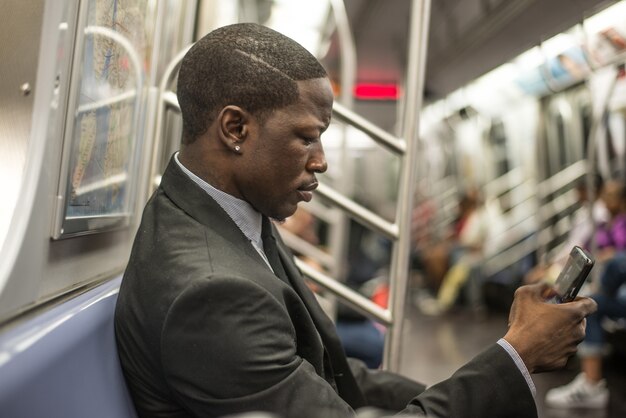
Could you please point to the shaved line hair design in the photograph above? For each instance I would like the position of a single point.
(246, 65)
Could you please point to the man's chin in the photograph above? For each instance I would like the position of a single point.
(280, 216)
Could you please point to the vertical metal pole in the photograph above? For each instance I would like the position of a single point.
(418, 36)
(592, 148)
(340, 230)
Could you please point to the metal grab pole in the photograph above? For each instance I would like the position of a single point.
(340, 232)
(418, 36)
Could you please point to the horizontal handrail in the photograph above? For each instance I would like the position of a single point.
(360, 213)
(557, 206)
(122, 41)
(510, 256)
(514, 234)
(306, 248)
(382, 137)
(109, 101)
(352, 298)
(505, 183)
(561, 179)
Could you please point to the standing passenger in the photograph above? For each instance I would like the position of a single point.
(213, 317)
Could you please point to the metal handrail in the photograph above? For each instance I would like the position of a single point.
(307, 249)
(561, 179)
(360, 213)
(591, 154)
(340, 227)
(416, 69)
(503, 183)
(353, 299)
(382, 137)
(509, 256)
(168, 97)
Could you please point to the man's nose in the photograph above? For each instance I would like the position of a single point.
(317, 162)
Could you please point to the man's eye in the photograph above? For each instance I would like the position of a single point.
(308, 141)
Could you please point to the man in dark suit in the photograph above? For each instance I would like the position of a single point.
(213, 317)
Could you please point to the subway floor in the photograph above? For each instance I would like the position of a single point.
(434, 347)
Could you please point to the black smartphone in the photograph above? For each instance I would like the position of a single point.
(573, 275)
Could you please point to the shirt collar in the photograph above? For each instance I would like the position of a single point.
(240, 211)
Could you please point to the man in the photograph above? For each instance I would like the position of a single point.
(213, 317)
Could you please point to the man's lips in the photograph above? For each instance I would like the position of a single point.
(306, 192)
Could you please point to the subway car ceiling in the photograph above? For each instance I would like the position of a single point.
(467, 38)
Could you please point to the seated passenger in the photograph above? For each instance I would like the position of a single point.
(610, 236)
(580, 232)
(466, 255)
(589, 388)
(213, 317)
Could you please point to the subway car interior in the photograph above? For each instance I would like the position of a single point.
(472, 144)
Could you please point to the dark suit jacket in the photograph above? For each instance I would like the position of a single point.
(205, 329)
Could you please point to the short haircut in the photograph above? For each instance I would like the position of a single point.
(246, 65)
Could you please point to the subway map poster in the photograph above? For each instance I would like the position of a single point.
(108, 81)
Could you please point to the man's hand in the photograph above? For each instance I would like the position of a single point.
(545, 335)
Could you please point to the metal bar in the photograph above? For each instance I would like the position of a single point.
(307, 249)
(353, 299)
(382, 137)
(340, 230)
(163, 94)
(592, 146)
(88, 107)
(513, 235)
(358, 212)
(122, 41)
(418, 36)
(503, 183)
(170, 99)
(508, 257)
(347, 51)
(561, 179)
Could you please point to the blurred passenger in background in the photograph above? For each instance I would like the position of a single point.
(465, 255)
(591, 213)
(610, 236)
(589, 388)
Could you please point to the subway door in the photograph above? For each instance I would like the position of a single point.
(566, 121)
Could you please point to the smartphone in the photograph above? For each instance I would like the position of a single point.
(573, 275)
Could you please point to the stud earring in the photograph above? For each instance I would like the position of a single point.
(237, 148)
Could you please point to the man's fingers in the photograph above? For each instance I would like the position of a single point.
(585, 306)
(535, 291)
(581, 331)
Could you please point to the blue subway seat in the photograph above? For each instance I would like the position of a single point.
(64, 363)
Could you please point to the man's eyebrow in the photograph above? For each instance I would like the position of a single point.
(317, 127)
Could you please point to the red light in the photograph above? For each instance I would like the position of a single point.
(365, 91)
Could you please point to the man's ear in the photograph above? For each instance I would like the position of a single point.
(233, 127)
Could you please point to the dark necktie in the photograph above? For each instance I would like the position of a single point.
(271, 249)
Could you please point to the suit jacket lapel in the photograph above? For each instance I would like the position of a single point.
(346, 384)
(203, 208)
